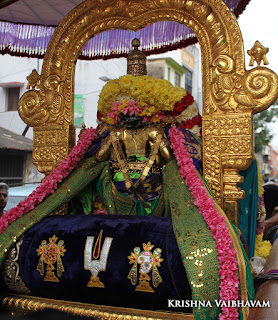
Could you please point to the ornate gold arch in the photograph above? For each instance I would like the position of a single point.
(231, 94)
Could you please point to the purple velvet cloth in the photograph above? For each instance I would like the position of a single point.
(127, 232)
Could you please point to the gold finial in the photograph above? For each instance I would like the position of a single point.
(83, 130)
(136, 60)
(33, 80)
(258, 53)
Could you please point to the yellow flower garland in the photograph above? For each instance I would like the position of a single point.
(262, 247)
(150, 91)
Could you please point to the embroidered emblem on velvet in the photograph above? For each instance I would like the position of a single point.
(50, 253)
(148, 262)
(95, 266)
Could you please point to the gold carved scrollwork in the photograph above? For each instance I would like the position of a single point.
(253, 91)
(31, 108)
(50, 146)
(44, 106)
(53, 95)
(227, 150)
(229, 138)
(262, 83)
(43, 110)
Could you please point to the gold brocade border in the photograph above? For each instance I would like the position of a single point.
(29, 303)
(240, 257)
(241, 263)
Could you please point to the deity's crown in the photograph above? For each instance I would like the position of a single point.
(151, 99)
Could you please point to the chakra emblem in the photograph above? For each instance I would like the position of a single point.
(148, 261)
(50, 253)
(95, 266)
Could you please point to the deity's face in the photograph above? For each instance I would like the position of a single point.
(132, 121)
(3, 198)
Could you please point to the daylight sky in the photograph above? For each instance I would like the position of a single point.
(259, 21)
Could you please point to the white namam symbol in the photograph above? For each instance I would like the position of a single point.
(99, 261)
(146, 261)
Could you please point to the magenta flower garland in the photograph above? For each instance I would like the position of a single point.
(229, 282)
(50, 183)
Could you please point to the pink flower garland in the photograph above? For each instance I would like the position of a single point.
(229, 283)
(50, 183)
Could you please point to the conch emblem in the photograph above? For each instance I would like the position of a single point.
(50, 253)
(148, 261)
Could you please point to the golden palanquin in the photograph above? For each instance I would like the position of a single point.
(231, 97)
(231, 94)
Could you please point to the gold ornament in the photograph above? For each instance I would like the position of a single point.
(27, 303)
(50, 253)
(148, 262)
(82, 131)
(136, 60)
(258, 53)
(33, 80)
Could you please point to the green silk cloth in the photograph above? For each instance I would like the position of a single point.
(248, 206)
(195, 242)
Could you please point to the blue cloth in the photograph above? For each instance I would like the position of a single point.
(194, 147)
(96, 143)
(127, 232)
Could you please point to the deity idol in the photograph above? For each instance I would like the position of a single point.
(135, 176)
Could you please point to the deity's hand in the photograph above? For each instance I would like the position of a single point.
(165, 153)
(166, 150)
(105, 149)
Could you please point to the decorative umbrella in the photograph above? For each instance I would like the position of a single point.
(26, 27)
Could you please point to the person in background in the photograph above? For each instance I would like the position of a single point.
(4, 190)
(271, 206)
(270, 197)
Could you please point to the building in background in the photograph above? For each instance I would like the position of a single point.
(268, 162)
(16, 166)
(181, 67)
(90, 76)
(273, 161)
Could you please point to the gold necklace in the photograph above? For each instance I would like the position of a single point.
(123, 163)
